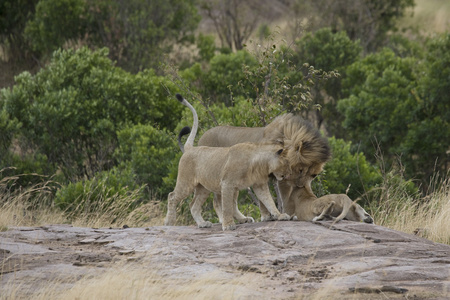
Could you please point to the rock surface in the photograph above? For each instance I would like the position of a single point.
(285, 259)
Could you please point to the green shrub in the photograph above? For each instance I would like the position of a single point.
(348, 169)
(148, 153)
(402, 104)
(70, 110)
(223, 78)
(55, 22)
(327, 50)
(107, 190)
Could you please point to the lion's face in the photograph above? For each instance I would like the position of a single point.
(304, 175)
(357, 213)
(281, 169)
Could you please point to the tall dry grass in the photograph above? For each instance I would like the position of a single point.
(26, 206)
(125, 281)
(427, 216)
(133, 283)
(33, 206)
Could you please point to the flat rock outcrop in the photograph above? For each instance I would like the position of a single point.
(285, 259)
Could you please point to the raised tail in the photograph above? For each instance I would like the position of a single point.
(190, 140)
(184, 131)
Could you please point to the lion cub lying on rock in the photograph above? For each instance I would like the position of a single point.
(335, 207)
(225, 171)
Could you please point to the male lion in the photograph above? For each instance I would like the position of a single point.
(335, 207)
(225, 171)
(307, 153)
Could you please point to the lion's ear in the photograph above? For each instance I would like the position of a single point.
(279, 152)
(298, 147)
(279, 142)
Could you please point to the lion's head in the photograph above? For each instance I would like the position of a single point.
(306, 149)
(281, 167)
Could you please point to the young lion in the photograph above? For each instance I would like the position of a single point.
(335, 207)
(225, 171)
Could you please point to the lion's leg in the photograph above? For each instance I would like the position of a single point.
(173, 200)
(241, 218)
(285, 193)
(217, 204)
(200, 196)
(347, 205)
(263, 193)
(229, 193)
(265, 214)
(325, 212)
(237, 213)
(171, 215)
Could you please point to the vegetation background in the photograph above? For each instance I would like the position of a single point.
(88, 118)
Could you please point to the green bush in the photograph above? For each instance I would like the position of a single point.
(70, 110)
(99, 194)
(206, 47)
(328, 51)
(348, 169)
(148, 153)
(55, 22)
(223, 78)
(402, 106)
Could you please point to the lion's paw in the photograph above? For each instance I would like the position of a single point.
(316, 219)
(246, 220)
(368, 219)
(284, 217)
(294, 218)
(267, 218)
(229, 227)
(205, 224)
(169, 221)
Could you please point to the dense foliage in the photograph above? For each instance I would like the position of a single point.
(103, 121)
(69, 113)
(138, 32)
(399, 105)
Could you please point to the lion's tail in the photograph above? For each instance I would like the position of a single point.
(190, 140)
(184, 131)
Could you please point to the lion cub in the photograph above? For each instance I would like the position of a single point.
(225, 171)
(335, 207)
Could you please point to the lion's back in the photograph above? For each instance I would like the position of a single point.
(227, 136)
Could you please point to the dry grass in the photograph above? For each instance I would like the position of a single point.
(31, 207)
(26, 206)
(427, 216)
(139, 284)
(133, 282)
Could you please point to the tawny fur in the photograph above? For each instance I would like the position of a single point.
(225, 171)
(307, 152)
(335, 207)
